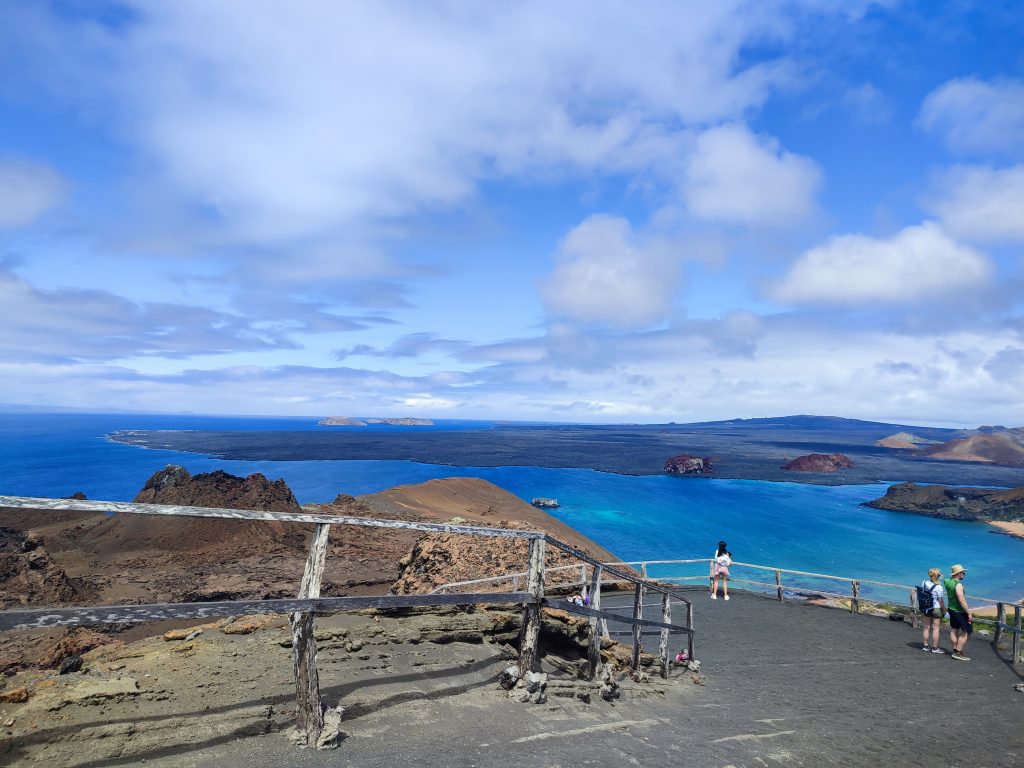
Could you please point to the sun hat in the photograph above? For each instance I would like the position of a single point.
(957, 569)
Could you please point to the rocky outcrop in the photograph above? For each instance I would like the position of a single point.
(819, 462)
(954, 503)
(28, 576)
(442, 558)
(685, 464)
(340, 421)
(404, 421)
(174, 485)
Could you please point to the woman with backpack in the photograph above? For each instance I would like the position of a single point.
(720, 569)
(932, 601)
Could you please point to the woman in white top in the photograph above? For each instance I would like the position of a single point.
(933, 618)
(720, 569)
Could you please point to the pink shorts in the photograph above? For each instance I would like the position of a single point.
(721, 570)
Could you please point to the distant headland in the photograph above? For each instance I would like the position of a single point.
(348, 421)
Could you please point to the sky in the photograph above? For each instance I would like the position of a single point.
(566, 211)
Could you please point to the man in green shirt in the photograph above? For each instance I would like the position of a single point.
(961, 623)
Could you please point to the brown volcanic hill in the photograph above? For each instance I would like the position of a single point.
(174, 485)
(819, 462)
(999, 448)
(477, 502)
(904, 440)
(28, 576)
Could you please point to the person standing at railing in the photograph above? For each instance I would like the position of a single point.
(720, 569)
(961, 622)
(933, 616)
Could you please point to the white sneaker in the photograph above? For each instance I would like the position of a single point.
(726, 597)
(714, 596)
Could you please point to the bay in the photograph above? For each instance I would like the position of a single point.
(823, 529)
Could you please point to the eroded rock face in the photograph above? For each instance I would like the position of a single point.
(27, 574)
(819, 462)
(442, 558)
(954, 503)
(685, 464)
(174, 485)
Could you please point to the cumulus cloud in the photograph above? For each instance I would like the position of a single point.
(27, 190)
(919, 262)
(981, 203)
(410, 345)
(977, 116)
(290, 123)
(608, 275)
(736, 176)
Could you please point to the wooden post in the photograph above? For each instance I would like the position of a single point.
(583, 580)
(309, 709)
(530, 630)
(1016, 635)
(1000, 620)
(855, 601)
(643, 571)
(778, 584)
(689, 635)
(666, 617)
(594, 650)
(638, 613)
(515, 582)
(913, 609)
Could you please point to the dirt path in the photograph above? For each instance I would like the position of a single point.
(784, 685)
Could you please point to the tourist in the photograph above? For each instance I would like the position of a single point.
(720, 569)
(961, 623)
(933, 616)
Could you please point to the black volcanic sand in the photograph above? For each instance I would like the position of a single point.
(785, 685)
(753, 449)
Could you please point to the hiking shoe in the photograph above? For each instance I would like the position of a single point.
(714, 597)
(959, 656)
(926, 648)
(938, 650)
(726, 597)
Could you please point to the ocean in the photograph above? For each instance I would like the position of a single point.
(822, 529)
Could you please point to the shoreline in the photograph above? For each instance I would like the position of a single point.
(1014, 530)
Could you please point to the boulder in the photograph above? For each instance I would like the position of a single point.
(686, 464)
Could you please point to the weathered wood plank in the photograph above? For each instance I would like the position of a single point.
(309, 708)
(594, 647)
(666, 617)
(638, 613)
(530, 630)
(73, 505)
(130, 614)
(1000, 623)
(616, 617)
(1016, 635)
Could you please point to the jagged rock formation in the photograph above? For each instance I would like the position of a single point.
(685, 464)
(441, 558)
(984, 504)
(174, 485)
(27, 574)
(819, 462)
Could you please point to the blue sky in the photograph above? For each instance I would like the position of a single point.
(595, 212)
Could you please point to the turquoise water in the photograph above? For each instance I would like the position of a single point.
(788, 525)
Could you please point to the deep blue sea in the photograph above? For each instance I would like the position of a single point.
(790, 525)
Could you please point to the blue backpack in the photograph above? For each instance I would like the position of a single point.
(925, 600)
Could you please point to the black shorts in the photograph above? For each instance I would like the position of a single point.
(958, 620)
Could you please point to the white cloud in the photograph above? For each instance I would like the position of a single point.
(981, 203)
(608, 275)
(919, 262)
(738, 177)
(975, 116)
(298, 122)
(27, 190)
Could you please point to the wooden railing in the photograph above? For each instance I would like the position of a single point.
(309, 708)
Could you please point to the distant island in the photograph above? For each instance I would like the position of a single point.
(972, 504)
(819, 462)
(348, 421)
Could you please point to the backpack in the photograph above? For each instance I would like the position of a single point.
(925, 601)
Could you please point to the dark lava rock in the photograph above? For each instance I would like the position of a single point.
(685, 464)
(174, 485)
(954, 503)
(70, 664)
(27, 574)
(819, 462)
